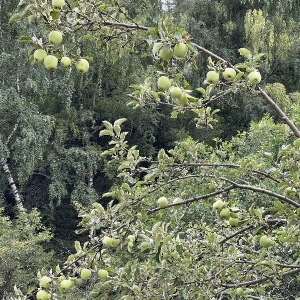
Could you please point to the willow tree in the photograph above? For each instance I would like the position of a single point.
(195, 222)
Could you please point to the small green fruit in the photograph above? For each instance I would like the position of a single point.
(102, 274)
(165, 54)
(177, 200)
(107, 241)
(218, 205)
(65, 61)
(225, 213)
(42, 295)
(297, 143)
(45, 282)
(66, 284)
(39, 55)
(212, 77)
(254, 77)
(55, 37)
(162, 202)
(164, 83)
(239, 291)
(50, 62)
(265, 241)
(85, 274)
(233, 221)
(82, 65)
(58, 3)
(180, 50)
(115, 243)
(130, 244)
(183, 100)
(244, 52)
(176, 92)
(229, 74)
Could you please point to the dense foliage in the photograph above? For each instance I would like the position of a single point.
(184, 172)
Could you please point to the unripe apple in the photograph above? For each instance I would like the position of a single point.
(165, 54)
(162, 202)
(85, 274)
(290, 191)
(229, 74)
(180, 50)
(82, 65)
(42, 295)
(107, 241)
(66, 284)
(177, 200)
(233, 221)
(265, 241)
(176, 92)
(102, 274)
(39, 55)
(115, 243)
(225, 213)
(239, 291)
(45, 282)
(254, 77)
(212, 77)
(58, 3)
(183, 100)
(245, 52)
(65, 61)
(297, 143)
(55, 37)
(164, 83)
(218, 205)
(50, 62)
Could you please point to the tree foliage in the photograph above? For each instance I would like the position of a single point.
(227, 223)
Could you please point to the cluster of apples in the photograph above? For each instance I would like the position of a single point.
(66, 284)
(212, 77)
(55, 37)
(180, 50)
(230, 214)
(164, 83)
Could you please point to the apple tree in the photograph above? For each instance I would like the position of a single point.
(195, 221)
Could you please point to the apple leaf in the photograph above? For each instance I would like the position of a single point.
(25, 39)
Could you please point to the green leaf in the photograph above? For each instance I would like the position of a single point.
(55, 14)
(25, 39)
(14, 18)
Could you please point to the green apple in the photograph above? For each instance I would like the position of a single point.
(239, 291)
(82, 65)
(176, 92)
(50, 62)
(39, 55)
(254, 77)
(42, 295)
(66, 284)
(164, 83)
(58, 3)
(115, 243)
(162, 202)
(165, 54)
(55, 37)
(244, 52)
(85, 274)
(107, 241)
(297, 143)
(65, 61)
(225, 213)
(183, 100)
(102, 274)
(233, 221)
(265, 241)
(45, 282)
(290, 192)
(218, 205)
(229, 74)
(212, 77)
(180, 50)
